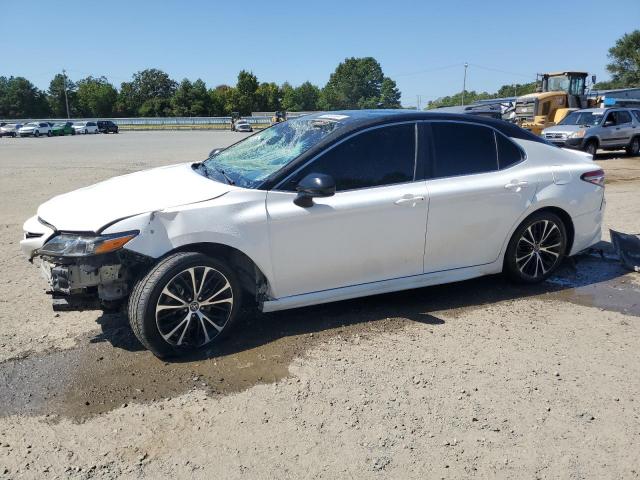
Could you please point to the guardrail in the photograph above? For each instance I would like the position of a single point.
(163, 123)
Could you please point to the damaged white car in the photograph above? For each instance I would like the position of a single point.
(320, 208)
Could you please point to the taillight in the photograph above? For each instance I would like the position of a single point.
(595, 176)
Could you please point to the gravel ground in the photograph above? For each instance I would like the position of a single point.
(479, 379)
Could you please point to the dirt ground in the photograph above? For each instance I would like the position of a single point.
(479, 379)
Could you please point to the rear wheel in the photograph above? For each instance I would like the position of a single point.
(536, 248)
(591, 148)
(187, 301)
(36, 133)
(634, 147)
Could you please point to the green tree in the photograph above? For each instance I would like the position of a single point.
(56, 96)
(356, 83)
(219, 99)
(268, 97)
(148, 94)
(19, 98)
(96, 97)
(389, 94)
(243, 99)
(470, 96)
(191, 99)
(300, 99)
(625, 61)
(516, 89)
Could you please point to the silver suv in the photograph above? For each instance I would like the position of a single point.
(594, 128)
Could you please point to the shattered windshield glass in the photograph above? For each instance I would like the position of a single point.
(249, 162)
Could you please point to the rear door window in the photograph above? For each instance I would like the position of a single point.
(463, 149)
(623, 117)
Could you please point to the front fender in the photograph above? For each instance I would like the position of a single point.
(237, 220)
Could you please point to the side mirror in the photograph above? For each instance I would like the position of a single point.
(314, 185)
(215, 151)
(593, 79)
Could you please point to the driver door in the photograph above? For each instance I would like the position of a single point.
(373, 228)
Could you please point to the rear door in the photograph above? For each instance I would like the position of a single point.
(479, 185)
(625, 123)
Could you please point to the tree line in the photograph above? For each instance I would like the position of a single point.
(356, 83)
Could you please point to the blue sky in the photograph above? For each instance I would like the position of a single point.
(420, 44)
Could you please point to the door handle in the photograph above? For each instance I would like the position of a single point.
(409, 201)
(516, 186)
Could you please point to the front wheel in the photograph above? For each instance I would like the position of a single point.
(634, 147)
(49, 133)
(591, 148)
(536, 248)
(188, 300)
(36, 133)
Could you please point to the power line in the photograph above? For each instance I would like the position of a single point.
(428, 70)
(491, 69)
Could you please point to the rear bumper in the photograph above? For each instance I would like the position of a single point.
(575, 143)
(587, 229)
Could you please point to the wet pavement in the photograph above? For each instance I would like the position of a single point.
(110, 368)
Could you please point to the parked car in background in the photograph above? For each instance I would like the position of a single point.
(316, 209)
(107, 126)
(241, 125)
(35, 129)
(10, 130)
(85, 127)
(63, 128)
(591, 129)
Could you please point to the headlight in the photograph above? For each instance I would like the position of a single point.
(577, 134)
(76, 245)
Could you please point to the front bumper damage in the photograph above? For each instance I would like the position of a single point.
(82, 283)
(88, 283)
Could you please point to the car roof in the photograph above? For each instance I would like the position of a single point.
(357, 119)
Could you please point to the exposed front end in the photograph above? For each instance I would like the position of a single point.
(83, 270)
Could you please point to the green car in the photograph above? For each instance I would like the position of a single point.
(63, 128)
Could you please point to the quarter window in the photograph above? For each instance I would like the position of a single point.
(508, 152)
(636, 113)
(463, 149)
(382, 156)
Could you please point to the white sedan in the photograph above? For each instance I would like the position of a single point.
(317, 209)
(85, 127)
(35, 129)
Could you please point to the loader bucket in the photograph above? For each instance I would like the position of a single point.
(628, 248)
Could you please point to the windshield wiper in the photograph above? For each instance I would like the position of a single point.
(226, 177)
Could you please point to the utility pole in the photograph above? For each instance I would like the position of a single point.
(66, 99)
(464, 82)
(419, 101)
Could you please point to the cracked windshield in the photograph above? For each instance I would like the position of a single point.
(251, 161)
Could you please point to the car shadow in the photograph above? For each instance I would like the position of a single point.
(418, 305)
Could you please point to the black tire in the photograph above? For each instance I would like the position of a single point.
(148, 291)
(36, 133)
(545, 226)
(49, 133)
(591, 147)
(634, 147)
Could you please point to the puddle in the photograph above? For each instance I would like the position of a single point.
(601, 283)
(110, 369)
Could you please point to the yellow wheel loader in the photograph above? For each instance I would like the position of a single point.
(558, 94)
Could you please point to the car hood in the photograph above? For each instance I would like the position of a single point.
(564, 129)
(91, 208)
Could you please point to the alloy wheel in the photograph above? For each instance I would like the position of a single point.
(539, 249)
(194, 307)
